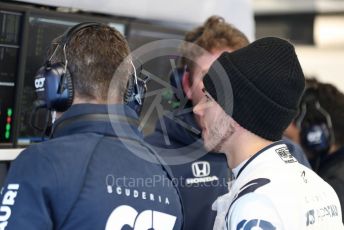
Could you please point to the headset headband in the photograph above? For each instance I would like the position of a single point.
(70, 32)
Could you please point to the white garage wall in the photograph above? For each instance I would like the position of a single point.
(327, 64)
(238, 12)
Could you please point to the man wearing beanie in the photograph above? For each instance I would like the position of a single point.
(271, 189)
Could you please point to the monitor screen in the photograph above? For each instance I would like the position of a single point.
(10, 23)
(42, 30)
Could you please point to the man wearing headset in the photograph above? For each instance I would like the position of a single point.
(319, 128)
(245, 121)
(95, 172)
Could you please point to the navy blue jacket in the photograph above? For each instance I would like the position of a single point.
(87, 177)
(201, 177)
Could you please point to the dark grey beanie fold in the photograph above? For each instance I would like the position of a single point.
(267, 83)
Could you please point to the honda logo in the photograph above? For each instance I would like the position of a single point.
(200, 169)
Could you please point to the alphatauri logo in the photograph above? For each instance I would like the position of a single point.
(39, 82)
(255, 224)
(200, 169)
(310, 217)
(7, 203)
(127, 217)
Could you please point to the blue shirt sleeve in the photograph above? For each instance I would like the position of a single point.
(27, 193)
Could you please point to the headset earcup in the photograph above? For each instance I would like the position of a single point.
(316, 138)
(63, 98)
(70, 89)
(58, 95)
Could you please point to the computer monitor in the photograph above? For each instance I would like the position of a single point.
(42, 30)
(10, 25)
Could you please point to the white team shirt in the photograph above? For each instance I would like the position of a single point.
(273, 191)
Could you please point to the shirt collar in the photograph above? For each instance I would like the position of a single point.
(110, 120)
(263, 151)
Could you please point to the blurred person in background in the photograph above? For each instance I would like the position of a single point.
(319, 127)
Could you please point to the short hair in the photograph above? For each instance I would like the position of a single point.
(332, 100)
(94, 54)
(215, 33)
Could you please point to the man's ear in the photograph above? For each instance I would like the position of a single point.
(186, 84)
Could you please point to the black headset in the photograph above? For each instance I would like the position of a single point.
(315, 124)
(54, 83)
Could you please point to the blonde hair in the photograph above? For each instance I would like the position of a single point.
(215, 33)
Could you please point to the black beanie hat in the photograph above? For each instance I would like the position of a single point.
(267, 83)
